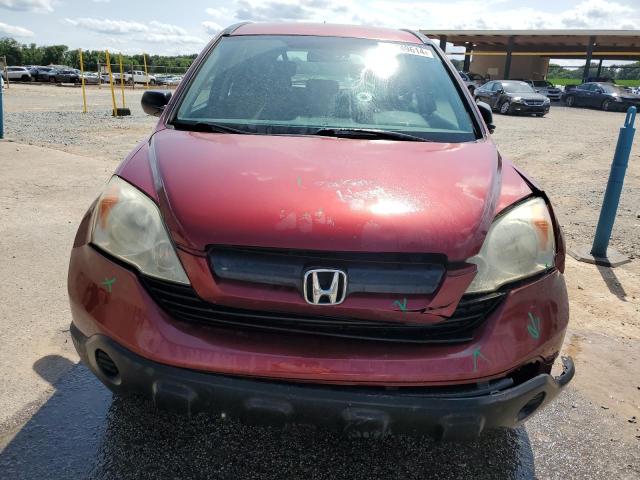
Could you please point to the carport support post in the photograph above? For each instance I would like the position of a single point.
(587, 65)
(443, 43)
(467, 57)
(507, 62)
(599, 68)
(599, 253)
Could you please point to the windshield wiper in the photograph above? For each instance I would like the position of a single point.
(368, 133)
(198, 126)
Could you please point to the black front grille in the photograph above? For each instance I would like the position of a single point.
(534, 103)
(396, 273)
(182, 303)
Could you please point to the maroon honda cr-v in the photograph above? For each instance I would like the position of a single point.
(320, 229)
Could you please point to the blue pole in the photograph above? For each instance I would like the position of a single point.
(614, 186)
(1, 109)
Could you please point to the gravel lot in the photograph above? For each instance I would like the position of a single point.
(57, 421)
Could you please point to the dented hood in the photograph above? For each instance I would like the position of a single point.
(319, 193)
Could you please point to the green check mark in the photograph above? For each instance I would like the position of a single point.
(108, 282)
(477, 353)
(534, 326)
(402, 305)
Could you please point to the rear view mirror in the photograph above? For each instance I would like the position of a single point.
(154, 101)
(487, 115)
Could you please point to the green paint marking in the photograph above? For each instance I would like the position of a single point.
(299, 181)
(402, 305)
(534, 326)
(477, 353)
(108, 282)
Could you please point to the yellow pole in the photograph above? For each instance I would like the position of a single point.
(122, 81)
(84, 95)
(113, 93)
(146, 74)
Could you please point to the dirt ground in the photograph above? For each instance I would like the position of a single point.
(45, 192)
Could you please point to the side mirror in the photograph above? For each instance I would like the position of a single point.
(487, 115)
(154, 101)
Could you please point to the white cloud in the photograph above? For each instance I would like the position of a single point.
(171, 38)
(153, 32)
(14, 30)
(486, 14)
(211, 27)
(118, 27)
(167, 28)
(39, 6)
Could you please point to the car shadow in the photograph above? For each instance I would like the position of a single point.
(83, 431)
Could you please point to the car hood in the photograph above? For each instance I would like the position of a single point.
(319, 193)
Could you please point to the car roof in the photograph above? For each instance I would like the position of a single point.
(327, 30)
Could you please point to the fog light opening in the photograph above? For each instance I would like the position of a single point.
(531, 406)
(107, 366)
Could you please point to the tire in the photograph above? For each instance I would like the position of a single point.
(76, 81)
(505, 108)
(472, 89)
(606, 105)
(152, 82)
(25, 78)
(570, 101)
(52, 79)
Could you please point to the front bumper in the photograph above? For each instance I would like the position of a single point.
(524, 108)
(450, 414)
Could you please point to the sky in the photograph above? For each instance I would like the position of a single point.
(183, 27)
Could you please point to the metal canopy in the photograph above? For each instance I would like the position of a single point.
(615, 44)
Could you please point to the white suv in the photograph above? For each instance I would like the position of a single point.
(17, 73)
(135, 76)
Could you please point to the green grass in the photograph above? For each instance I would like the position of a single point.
(577, 81)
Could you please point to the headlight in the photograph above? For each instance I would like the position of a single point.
(546, 100)
(127, 225)
(516, 99)
(520, 243)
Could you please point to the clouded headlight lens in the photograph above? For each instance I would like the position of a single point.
(520, 243)
(127, 224)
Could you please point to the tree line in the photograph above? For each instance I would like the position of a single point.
(630, 71)
(32, 54)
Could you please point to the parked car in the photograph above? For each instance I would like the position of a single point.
(605, 96)
(17, 74)
(293, 245)
(91, 78)
(44, 74)
(136, 76)
(168, 79)
(546, 88)
(67, 76)
(472, 80)
(513, 96)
